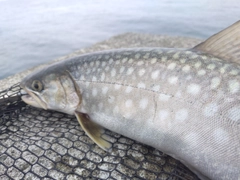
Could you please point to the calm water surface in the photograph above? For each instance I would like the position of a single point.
(34, 32)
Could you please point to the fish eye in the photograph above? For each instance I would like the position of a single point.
(37, 85)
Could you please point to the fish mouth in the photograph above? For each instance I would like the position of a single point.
(32, 99)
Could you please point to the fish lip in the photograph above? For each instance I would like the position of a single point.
(31, 98)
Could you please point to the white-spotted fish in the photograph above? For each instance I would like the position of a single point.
(185, 103)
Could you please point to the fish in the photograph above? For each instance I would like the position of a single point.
(183, 102)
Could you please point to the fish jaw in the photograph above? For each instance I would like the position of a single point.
(33, 100)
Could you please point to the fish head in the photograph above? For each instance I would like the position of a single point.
(51, 88)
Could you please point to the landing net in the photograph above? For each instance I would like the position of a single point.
(37, 144)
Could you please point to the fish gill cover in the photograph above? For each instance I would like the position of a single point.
(37, 144)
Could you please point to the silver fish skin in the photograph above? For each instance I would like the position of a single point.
(183, 102)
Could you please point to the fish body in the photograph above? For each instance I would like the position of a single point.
(183, 102)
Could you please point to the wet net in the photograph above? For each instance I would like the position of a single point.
(38, 144)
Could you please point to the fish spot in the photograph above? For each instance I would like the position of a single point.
(222, 70)
(128, 103)
(204, 57)
(106, 57)
(210, 109)
(119, 56)
(102, 76)
(141, 85)
(163, 114)
(176, 55)
(82, 77)
(153, 60)
(85, 65)
(194, 56)
(146, 56)
(234, 114)
(197, 64)
(191, 139)
(193, 89)
(233, 86)
(186, 68)
(170, 51)
(215, 82)
(173, 80)
(188, 52)
(113, 72)
(130, 70)
(182, 61)
(141, 72)
(94, 92)
(155, 74)
(117, 86)
(188, 77)
(130, 61)
(216, 59)
(127, 115)
(117, 62)
(104, 63)
(158, 51)
(107, 68)
(171, 66)
(181, 115)
(88, 71)
(164, 59)
(124, 60)
(233, 72)
(137, 56)
(211, 66)
(91, 64)
(94, 78)
(220, 135)
(97, 63)
(201, 72)
(105, 90)
(129, 89)
(139, 63)
(110, 61)
(122, 69)
(164, 97)
(156, 88)
(143, 103)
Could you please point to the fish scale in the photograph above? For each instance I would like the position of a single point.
(182, 102)
(165, 75)
(176, 100)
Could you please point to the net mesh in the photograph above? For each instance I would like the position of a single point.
(39, 144)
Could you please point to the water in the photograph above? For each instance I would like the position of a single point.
(34, 32)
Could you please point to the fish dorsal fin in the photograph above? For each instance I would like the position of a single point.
(93, 130)
(224, 45)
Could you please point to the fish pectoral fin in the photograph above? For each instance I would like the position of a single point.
(93, 130)
(224, 45)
